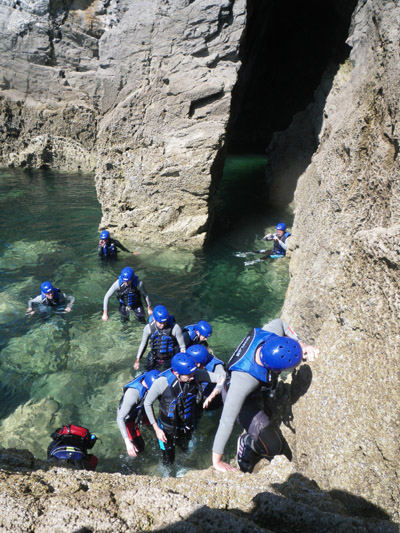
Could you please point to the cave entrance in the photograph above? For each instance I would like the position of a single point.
(285, 50)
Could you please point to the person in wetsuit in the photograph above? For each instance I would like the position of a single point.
(52, 297)
(197, 333)
(108, 247)
(165, 337)
(130, 412)
(254, 368)
(280, 245)
(179, 391)
(130, 291)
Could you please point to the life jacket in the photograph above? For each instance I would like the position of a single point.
(137, 410)
(129, 295)
(109, 250)
(163, 344)
(191, 333)
(53, 301)
(242, 360)
(277, 249)
(178, 403)
(212, 363)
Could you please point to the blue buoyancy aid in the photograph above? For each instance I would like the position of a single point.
(178, 403)
(242, 360)
(129, 295)
(109, 250)
(277, 249)
(212, 363)
(163, 343)
(136, 383)
(51, 301)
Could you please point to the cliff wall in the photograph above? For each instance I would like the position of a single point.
(345, 257)
(138, 91)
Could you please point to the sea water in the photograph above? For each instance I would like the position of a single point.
(57, 369)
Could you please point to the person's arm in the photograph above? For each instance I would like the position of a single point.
(70, 302)
(204, 376)
(114, 287)
(269, 237)
(283, 244)
(156, 390)
(117, 244)
(143, 345)
(130, 399)
(178, 334)
(143, 290)
(31, 301)
(100, 248)
(242, 384)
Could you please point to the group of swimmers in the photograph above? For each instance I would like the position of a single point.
(182, 373)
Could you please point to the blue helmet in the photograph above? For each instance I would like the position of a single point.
(46, 287)
(183, 364)
(281, 226)
(281, 353)
(150, 377)
(127, 274)
(203, 328)
(160, 313)
(199, 354)
(104, 235)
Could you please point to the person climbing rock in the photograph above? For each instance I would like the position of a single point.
(254, 368)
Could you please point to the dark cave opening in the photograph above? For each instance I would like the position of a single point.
(285, 50)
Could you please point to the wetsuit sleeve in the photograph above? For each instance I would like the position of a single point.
(117, 244)
(145, 340)
(178, 334)
(158, 387)
(100, 250)
(69, 299)
(114, 287)
(36, 300)
(131, 398)
(220, 370)
(284, 245)
(142, 289)
(281, 328)
(242, 384)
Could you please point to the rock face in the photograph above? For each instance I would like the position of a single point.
(345, 256)
(277, 498)
(138, 91)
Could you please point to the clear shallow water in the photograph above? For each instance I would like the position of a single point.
(57, 369)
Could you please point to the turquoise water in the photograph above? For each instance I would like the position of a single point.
(57, 369)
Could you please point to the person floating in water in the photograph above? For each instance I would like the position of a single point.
(108, 247)
(166, 339)
(280, 244)
(52, 297)
(130, 412)
(129, 294)
(254, 368)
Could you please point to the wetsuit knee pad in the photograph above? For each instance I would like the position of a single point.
(269, 442)
(247, 458)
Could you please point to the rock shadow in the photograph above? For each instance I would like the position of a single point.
(297, 505)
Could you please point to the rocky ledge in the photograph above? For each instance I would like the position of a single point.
(37, 497)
